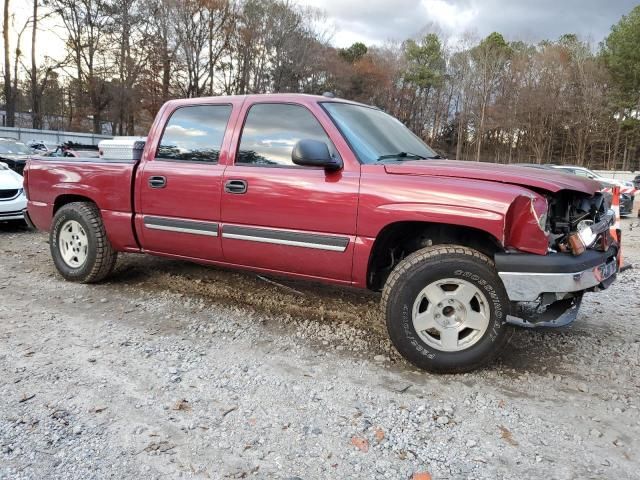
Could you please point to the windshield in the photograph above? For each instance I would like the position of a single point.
(14, 148)
(376, 136)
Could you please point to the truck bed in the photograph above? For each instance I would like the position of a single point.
(107, 182)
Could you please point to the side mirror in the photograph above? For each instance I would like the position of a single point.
(314, 153)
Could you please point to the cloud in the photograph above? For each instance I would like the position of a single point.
(377, 21)
(180, 131)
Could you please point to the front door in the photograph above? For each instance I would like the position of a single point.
(179, 187)
(283, 217)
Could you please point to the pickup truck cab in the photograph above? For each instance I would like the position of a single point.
(329, 190)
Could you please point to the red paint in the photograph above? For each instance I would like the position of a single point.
(356, 202)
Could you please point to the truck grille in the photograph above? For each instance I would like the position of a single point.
(9, 194)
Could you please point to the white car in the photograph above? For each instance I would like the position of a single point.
(585, 172)
(13, 201)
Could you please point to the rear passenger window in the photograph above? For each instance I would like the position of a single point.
(194, 134)
(271, 131)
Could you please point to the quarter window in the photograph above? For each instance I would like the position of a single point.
(195, 133)
(271, 131)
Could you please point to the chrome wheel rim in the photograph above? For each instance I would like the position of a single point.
(451, 315)
(73, 244)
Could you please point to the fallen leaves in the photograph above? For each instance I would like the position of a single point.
(360, 443)
(379, 434)
(507, 436)
(421, 476)
(182, 405)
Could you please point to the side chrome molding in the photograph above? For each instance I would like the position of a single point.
(286, 237)
(183, 226)
(252, 234)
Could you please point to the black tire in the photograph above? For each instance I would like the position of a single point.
(101, 257)
(435, 263)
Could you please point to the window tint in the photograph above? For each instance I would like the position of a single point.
(195, 133)
(271, 131)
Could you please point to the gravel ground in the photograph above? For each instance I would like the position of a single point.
(176, 370)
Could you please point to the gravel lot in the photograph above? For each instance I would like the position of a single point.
(176, 370)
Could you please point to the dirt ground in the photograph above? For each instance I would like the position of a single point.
(174, 370)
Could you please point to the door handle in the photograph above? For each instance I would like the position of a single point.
(235, 186)
(157, 181)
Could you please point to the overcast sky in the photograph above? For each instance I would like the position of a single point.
(377, 21)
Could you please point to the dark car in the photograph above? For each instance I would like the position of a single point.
(14, 154)
(626, 204)
(636, 182)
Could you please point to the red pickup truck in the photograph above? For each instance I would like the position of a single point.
(325, 189)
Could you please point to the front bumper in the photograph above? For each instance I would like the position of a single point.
(13, 209)
(527, 276)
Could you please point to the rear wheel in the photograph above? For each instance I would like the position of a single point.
(79, 245)
(446, 308)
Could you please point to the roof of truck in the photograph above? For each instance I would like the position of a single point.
(275, 97)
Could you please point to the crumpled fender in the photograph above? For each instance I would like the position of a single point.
(522, 224)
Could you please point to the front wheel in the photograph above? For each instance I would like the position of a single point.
(446, 309)
(79, 245)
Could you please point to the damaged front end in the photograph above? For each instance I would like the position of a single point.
(580, 255)
(577, 223)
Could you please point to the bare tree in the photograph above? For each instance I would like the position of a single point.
(9, 94)
(86, 23)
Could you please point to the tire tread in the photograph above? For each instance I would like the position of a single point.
(106, 256)
(415, 259)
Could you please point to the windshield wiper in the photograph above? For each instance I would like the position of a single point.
(399, 155)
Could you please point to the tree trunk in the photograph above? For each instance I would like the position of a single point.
(462, 130)
(36, 117)
(481, 129)
(8, 90)
(210, 57)
(616, 145)
(166, 70)
(97, 122)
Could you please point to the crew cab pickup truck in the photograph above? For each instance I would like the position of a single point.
(330, 190)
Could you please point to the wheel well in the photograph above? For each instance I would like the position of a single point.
(62, 200)
(397, 240)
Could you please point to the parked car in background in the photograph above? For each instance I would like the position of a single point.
(329, 190)
(627, 189)
(14, 154)
(40, 146)
(13, 201)
(72, 149)
(542, 166)
(585, 172)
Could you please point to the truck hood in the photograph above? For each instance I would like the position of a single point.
(549, 180)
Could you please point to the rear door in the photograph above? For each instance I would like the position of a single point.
(283, 217)
(179, 187)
